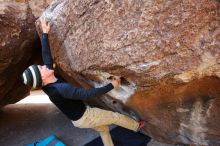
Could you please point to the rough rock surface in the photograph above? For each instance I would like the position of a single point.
(18, 37)
(166, 52)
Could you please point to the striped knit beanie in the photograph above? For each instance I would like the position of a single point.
(32, 77)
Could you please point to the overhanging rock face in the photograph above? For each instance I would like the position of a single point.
(18, 37)
(166, 52)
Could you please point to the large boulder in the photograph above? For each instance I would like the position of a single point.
(166, 53)
(18, 39)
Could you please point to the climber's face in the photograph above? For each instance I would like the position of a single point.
(45, 72)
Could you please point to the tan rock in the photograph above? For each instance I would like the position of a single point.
(167, 53)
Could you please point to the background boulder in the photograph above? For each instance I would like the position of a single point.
(19, 45)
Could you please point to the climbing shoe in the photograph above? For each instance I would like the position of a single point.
(141, 125)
